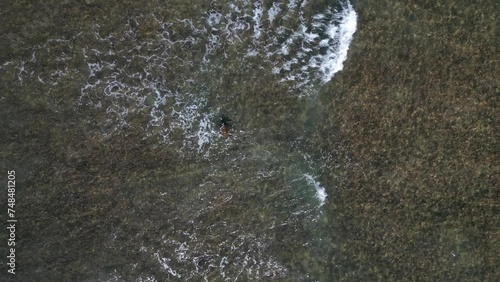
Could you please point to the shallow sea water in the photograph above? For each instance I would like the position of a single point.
(249, 207)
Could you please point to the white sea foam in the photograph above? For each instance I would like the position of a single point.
(322, 46)
(333, 61)
(205, 133)
(273, 12)
(199, 259)
(146, 279)
(214, 18)
(257, 16)
(292, 4)
(320, 191)
(165, 263)
(127, 71)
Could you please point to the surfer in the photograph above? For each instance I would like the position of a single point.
(225, 126)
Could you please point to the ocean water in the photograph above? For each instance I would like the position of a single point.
(254, 208)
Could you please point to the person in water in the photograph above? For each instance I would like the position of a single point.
(225, 126)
